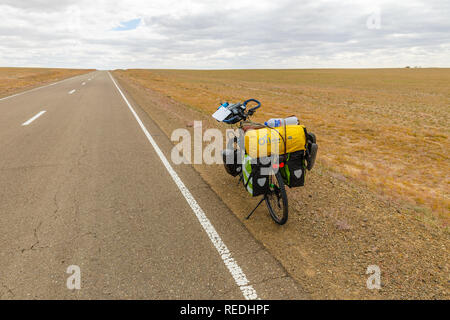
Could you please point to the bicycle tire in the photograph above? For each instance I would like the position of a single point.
(280, 196)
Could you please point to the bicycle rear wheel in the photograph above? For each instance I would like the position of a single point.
(276, 199)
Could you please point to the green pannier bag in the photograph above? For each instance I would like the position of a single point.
(254, 175)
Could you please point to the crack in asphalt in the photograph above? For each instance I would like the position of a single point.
(270, 279)
(33, 247)
(55, 202)
(37, 241)
(253, 252)
(82, 155)
(8, 290)
(30, 167)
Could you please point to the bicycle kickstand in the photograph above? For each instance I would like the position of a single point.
(241, 177)
(259, 203)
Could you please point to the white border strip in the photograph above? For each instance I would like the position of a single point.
(46, 86)
(34, 118)
(236, 271)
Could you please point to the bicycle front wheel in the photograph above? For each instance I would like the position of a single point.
(276, 199)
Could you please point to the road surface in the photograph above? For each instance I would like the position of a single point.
(84, 181)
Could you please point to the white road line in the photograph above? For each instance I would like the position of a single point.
(38, 88)
(239, 276)
(70, 92)
(34, 118)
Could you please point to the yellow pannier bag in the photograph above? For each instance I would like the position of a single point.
(267, 141)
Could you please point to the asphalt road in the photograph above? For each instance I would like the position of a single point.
(82, 184)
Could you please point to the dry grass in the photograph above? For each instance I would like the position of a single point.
(336, 227)
(385, 127)
(13, 80)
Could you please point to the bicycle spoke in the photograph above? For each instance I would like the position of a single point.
(276, 200)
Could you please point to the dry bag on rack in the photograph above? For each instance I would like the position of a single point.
(267, 141)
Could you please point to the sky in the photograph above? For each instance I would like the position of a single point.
(201, 34)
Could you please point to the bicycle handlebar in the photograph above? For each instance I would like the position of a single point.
(252, 110)
(238, 111)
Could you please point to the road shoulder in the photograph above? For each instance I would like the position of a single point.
(268, 277)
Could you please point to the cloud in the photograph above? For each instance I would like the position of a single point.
(214, 34)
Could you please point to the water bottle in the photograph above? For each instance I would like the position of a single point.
(223, 105)
(277, 122)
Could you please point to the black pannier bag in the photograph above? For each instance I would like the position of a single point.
(232, 161)
(294, 169)
(255, 175)
(311, 150)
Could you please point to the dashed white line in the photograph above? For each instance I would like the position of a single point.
(38, 88)
(34, 118)
(238, 275)
(70, 92)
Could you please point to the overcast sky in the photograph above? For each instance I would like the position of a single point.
(202, 34)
